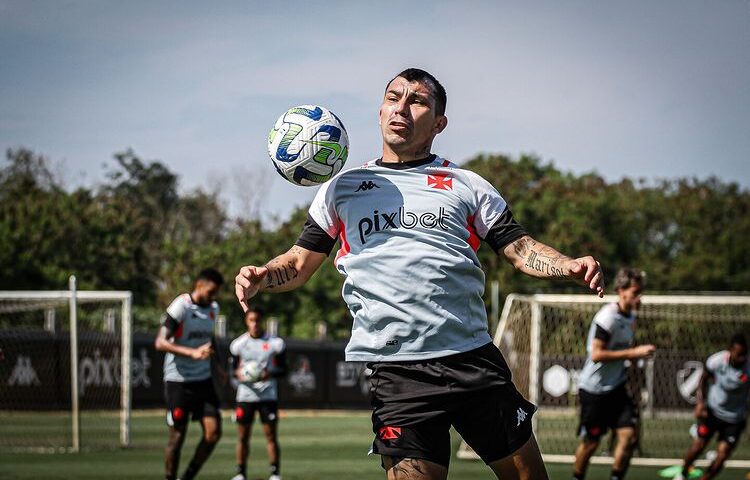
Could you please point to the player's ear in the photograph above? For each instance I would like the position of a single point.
(440, 123)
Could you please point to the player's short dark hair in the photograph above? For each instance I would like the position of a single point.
(212, 275)
(627, 276)
(418, 75)
(739, 339)
(256, 309)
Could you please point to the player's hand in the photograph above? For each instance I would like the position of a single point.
(588, 272)
(247, 283)
(643, 351)
(264, 375)
(701, 411)
(203, 352)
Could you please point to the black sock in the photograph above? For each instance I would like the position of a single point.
(618, 474)
(578, 476)
(191, 471)
(275, 469)
(170, 477)
(242, 468)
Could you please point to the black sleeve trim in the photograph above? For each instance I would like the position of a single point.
(171, 323)
(279, 365)
(315, 238)
(504, 231)
(602, 334)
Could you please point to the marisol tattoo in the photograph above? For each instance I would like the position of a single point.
(544, 264)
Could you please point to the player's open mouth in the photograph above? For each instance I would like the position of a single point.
(398, 126)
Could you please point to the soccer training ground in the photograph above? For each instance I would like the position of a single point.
(315, 446)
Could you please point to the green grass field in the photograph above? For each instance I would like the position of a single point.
(315, 446)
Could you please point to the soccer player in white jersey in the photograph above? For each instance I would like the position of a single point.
(605, 401)
(187, 337)
(257, 394)
(724, 409)
(409, 224)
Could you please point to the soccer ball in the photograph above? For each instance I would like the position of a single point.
(251, 371)
(308, 145)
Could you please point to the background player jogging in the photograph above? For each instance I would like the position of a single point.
(409, 224)
(602, 391)
(724, 410)
(259, 394)
(187, 337)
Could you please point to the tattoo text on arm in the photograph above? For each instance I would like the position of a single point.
(280, 273)
(539, 257)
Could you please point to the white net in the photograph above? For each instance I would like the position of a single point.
(37, 410)
(543, 338)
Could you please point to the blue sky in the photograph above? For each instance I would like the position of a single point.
(638, 89)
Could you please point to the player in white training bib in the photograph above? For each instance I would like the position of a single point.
(602, 391)
(409, 224)
(723, 410)
(258, 360)
(187, 337)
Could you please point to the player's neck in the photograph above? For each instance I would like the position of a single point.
(622, 309)
(392, 156)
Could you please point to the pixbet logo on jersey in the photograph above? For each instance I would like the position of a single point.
(403, 218)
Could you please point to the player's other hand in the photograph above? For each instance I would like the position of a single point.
(247, 283)
(203, 352)
(644, 351)
(588, 272)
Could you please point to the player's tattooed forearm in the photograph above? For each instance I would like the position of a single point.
(280, 273)
(544, 264)
(539, 257)
(523, 246)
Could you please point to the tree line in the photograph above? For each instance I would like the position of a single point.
(136, 231)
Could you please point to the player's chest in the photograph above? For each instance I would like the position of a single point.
(382, 204)
(198, 326)
(622, 335)
(732, 379)
(260, 351)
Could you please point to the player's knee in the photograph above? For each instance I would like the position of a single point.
(212, 436)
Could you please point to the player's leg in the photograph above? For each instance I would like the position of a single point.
(397, 468)
(626, 438)
(178, 410)
(208, 413)
(269, 415)
(590, 429)
(723, 451)
(524, 464)
(243, 416)
(496, 423)
(704, 431)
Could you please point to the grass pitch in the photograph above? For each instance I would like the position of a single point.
(315, 446)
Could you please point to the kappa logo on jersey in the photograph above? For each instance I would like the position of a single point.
(368, 185)
(402, 218)
(23, 374)
(440, 181)
(389, 433)
(520, 416)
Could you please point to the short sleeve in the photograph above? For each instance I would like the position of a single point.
(234, 347)
(279, 345)
(323, 209)
(176, 310)
(713, 363)
(606, 318)
(489, 204)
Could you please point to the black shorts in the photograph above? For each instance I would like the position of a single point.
(186, 398)
(728, 432)
(268, 412)
(600, 412)
(416, 403)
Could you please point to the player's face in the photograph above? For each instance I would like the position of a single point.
(254, 327)
(630, 297)
(408, 119)
(205, 292)
(737, 355)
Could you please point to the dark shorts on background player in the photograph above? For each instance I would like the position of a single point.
(415, 404)
(599, 413)
(268, 412)
(728, 432)
(198, 399)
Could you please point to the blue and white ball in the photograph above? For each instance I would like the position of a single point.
(251, 371)
(308, 145)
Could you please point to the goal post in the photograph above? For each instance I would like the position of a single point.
(65, 369)
(543, 339)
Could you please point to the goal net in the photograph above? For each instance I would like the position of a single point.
(543, 338)
(44, 404)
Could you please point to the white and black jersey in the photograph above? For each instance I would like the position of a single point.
(617, 331)
(189, 325)
(269, 353)
(409, 233)
(728, 392)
